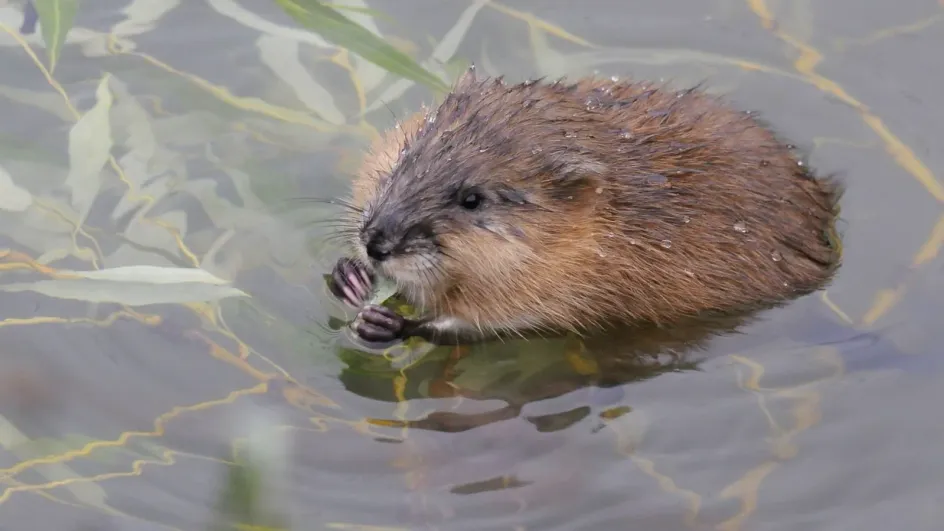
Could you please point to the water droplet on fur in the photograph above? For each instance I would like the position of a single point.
(592, 103)
(599, 190)
(602, 254)
(633, 241)
(570, 134)
(611, 235)
(765, 163)
(403, 152)
(535, 151)
(625, 134)
(603, 90)
(666, 244)
(483, 150)
(800, 163)
(614, 79)
(657, 179)
(741, 227)
(689, 273)
(791, 146)
(397, 126)
(776, 256)
(686, 219)
(569, 197)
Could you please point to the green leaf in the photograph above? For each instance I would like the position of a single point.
(363, 10)
(55, 19)
(383, 290)
(90, 144)
(344, 32)
(248, 498)
(133, 285)
(12, 197)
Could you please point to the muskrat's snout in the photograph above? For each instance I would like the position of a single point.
(402, 251)
(385, 239)
(381, 237)
(377, 244)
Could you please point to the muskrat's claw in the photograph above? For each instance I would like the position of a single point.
(379, 324)
(351, 282)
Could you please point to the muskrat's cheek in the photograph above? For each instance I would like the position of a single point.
(350, 282)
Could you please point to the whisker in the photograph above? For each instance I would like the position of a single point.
(341, 222)
(394, 115)
(336, 201)
(340, 238)
(336, 239)
(329, 224)
(429, 271)
(332, 234)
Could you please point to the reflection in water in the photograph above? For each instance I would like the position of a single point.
(475, 393)
(520, 372)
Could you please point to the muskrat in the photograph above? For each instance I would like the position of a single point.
(555, 206)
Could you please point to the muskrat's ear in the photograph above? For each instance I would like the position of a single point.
(467, 79)
(574, 166)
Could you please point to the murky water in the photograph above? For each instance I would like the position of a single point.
(115, 415)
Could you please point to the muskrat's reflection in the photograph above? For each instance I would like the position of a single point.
(524, 371)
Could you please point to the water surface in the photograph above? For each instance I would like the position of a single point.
(819, 415)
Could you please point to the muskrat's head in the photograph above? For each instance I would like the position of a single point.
(491, 182)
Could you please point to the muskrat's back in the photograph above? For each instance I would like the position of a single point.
(596, 202)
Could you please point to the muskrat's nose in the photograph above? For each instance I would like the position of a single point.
(379, 246)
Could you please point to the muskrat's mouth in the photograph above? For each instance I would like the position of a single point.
(414, 270)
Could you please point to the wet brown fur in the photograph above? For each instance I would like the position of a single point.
(635, 196)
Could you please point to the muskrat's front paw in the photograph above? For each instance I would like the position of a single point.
(351, 282)
(379, 324)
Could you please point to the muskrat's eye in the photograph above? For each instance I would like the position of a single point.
(471, 201)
